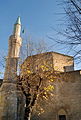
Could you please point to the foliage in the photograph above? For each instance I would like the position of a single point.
(37, 85)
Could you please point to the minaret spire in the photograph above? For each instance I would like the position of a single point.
(17, 27)
(18, 21)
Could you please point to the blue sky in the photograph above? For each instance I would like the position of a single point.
(37, 17)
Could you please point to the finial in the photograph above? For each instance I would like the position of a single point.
(18, 21)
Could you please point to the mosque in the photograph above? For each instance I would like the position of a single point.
(66, 102)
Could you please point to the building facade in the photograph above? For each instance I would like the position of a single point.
(65, 103)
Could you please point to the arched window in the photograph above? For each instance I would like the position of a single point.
(61, 114)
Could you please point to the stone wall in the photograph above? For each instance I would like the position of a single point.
(66, 99)
(62, 62)
(49, 61)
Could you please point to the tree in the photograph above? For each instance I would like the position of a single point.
(29, 82)
(2, 62)
(31, 47)
(36, 86)
(36, 81)
(72, 30)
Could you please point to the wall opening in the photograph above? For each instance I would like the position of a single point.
(62, 117)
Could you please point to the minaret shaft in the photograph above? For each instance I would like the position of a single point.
(17, 30)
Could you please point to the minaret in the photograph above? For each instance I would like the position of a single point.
(15, 42)
(8, 90)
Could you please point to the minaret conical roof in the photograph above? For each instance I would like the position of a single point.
(18, 21)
